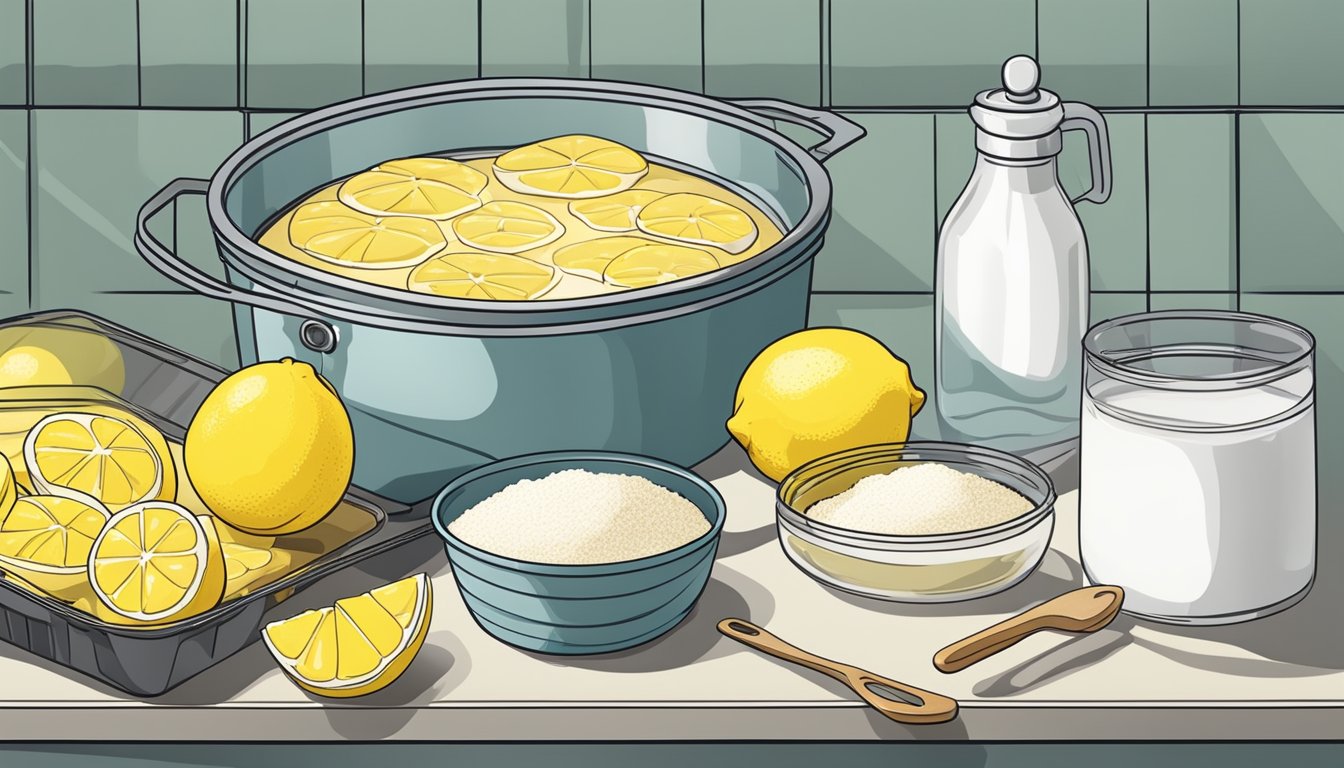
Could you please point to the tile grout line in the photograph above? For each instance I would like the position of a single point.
(1147, 64)
(139, 59)
(363, 49)
(1147, 218)
(828, 48)
(704, 70)
(824, 52)
(480, 36)
(30, 174)
(1236, 175)
(244, 16)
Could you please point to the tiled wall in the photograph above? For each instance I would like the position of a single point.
(1226, 120)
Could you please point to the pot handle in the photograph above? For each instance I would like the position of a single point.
(839, 131)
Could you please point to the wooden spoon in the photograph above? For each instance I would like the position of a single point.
(1082, 610)
(922, 708)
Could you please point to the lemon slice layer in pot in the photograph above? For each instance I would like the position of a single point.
(699, 220)
(614, 213)
(507, 227)
(337, 234)
(429, 187)
(474, 275)
(591, 257)
(104, 459)
(650, 265)
(576, 166)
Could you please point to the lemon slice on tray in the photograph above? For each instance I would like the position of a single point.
(431, 187)
(697, 219)
(46, 540)
(650, 265)
(614, 213)
(105, 460)
(335, 233)
(473, 275)
(357, 646)
(507, 227)
(591, 257)
(156, 562)
(575, 166)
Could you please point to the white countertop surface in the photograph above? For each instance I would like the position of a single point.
(1277, 678)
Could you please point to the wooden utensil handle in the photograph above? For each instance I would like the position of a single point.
(757, 637)
(990, 641)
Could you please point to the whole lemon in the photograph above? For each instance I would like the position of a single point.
(58, 355)
(271, 449)
(820, 391)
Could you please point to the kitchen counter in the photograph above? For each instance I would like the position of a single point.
(1280, 678)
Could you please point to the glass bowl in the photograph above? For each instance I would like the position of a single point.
(926, 568)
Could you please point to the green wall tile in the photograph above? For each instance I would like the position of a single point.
(186, 321)
(904, 323)
(881, 233)
(13, 211)
(915, 52)
(1291, 52)
(84, 52)
(954, 158)
(258, 122)
(1160, 301)
(1292, 202)
(534, 38)
(411, 42)
(295, 63)
(1116, 230)
(623, 50)
(1095, 50)
(750, 54)
(1192, 238)
(189, 53)
(91, 184)
(13, 52)
(1192, 52)
(1104, 306)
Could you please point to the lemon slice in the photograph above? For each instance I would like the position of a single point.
(507, 227)
(249, 563)
(100, 459)
(357, 646)
(156, 562)
(575, 166)
(335, 233)
(657, 264)
(693, 218)
(590, 257)
(614, 213)
(431, 187)
(474, 275)
(46, 541)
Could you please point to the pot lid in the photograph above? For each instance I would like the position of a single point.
(1021, 109)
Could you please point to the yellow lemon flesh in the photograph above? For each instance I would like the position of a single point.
(507, 227)
(270, 451)
(430, 187)
(51, 355)
(249, 561)
(473, 275)
(357, 646)
(46, 540)
(614, 213)
(820, 391)
(650, 265)
(333, 232)
(99, 458)
(590, 258)
(155, 563)
(697, 219)
(576, 166)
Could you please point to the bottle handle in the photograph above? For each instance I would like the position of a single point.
(1081, 117)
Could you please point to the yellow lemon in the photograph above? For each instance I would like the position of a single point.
(507, 227)
(575, 166)
(357, 646)
(431, 187)
(46, 540)
(820, 391)
(473, 275)
(590, 258)
(337, 234)
(155, 563)
(697, 219)
(105, 458)
(270, 451)
(250, 562)
(614, 213)
(657, 264)
(59, 355)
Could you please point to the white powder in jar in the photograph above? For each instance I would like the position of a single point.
(577, 517)
(921, 499)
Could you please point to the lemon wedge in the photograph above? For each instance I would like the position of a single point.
(576, 166)
(335, 233)
(46, 541)
(697, 219)
(591, 257)
(357, 646)
(156, 562)
(507, 227)
(650, 265)
(473, 275)
(98, 458)
(431, 187)
(614, 213)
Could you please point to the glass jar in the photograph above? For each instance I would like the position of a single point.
(1198, 464)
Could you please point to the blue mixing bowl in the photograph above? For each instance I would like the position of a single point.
(579, 609)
